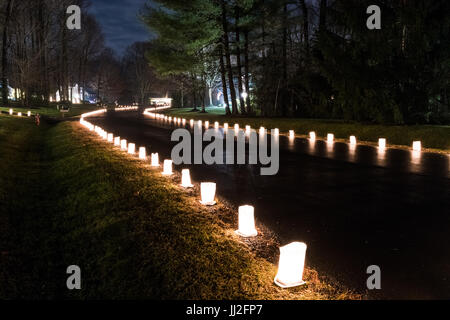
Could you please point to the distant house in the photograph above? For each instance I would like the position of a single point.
(161, 102)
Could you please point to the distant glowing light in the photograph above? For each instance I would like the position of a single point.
(312, 136)
(208, 193)
(186, 179)
(117, 141)
(199, 122)
(19, 114)
(262, 131)
(330, 138)
(291, 265)
(131, 148)
(191, 122)
(216, 125)
(291, 134)
(352, 140)
(155, 160)
(167, 171)
(276, 132)
(11, 112)
(417, 146)
(236, 127)
(225, 126)
(110, 138)
(142, 153)
(247, 222)
(206, 124)
(382, 143)
(184, 122)
(248, 129)
(123, 145)
(244, 95)
(29, 113)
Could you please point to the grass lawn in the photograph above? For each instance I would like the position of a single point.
(68, 198)
(432, 137)
(52, 112)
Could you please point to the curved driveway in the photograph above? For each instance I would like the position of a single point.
(354, 208)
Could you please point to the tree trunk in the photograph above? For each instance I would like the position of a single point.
(5, 91)
(238, 60)
(323, 16)
(224, 81)
(228, 58)
(305, 24)
(247, 74)
(284, 54)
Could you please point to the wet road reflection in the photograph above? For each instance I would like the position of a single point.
(353, 205)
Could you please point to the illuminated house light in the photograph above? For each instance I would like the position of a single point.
(155, 160)
(417, 146)
(353, 140)
(110, 138)
(216, 125)
(247, 222)
(291, 265)
(186, 179)
(291, 134)
(312, 136)
(123, 145)
(29, 113)
(276, 132)
(330, 138)
(208, 193)
(19, 114)
(206, 124)
(142, 153)
(11, 112)
(382, 143)
(167, 168)
(131, 148)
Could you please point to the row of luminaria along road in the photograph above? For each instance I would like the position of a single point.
(382, 143)
(292, 256)
(19, 114)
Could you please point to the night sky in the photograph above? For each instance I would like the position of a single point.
(119, 21)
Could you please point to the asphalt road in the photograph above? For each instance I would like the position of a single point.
(353, 207)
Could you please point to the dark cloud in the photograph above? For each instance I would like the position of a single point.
(120, 22)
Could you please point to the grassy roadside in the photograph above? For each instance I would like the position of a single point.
(134, 233)
(432, 137)
(52, 112)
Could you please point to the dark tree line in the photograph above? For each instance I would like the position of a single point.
(41, 56)
(309, 58)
